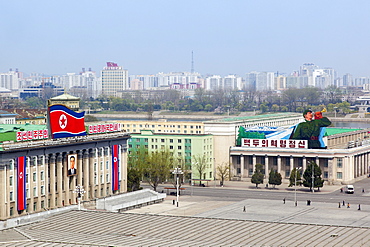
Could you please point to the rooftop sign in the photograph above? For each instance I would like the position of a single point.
(274, 143)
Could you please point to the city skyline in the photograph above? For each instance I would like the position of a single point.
(147, 37)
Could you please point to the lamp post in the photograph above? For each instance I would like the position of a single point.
(313, 177)
(80, 191)
(177, 171)
(335, 111)
(295, 184)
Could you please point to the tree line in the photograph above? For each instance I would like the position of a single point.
(311, 177)
(219, 101)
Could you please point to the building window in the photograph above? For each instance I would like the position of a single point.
(11, 181)
(162, 140)
(179, 147)
(339, 175)
(287, 173)
(11, 165)
(34, 191)
(325, 163)
(171, 140)
(34, 177)
(171, 147)
(107, 165)
(326, 174)
(179, 141)
(42, 175)
(339, 162)
(11, 211)
(42, 190)
(107, 178)
(11, 196)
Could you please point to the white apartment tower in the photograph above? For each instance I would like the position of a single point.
(10, 80)
(261, 81)
(114, 79)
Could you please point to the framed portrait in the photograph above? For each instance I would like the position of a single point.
(72, 165)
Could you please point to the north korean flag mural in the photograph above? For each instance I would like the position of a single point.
(21, 183)
(115, 167)
(63, 122)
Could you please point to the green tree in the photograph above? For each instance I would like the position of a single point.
(200, 165)
(274, 178)
(263, 107)
(313, 171)
(157, 167)
(257, 177)
(344, 107)
(295, 178)
(136, 162)
(274, 108)
(208, 107)
(223, 172)
(133, 179)
(35, 103)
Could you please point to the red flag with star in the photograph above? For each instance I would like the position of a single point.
(115, 167)
(63, 122)
(21, 183)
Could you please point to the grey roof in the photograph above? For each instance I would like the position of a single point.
(92, 228)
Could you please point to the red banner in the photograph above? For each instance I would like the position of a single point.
(21, 183)
(115, 167)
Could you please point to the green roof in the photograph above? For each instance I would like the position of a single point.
(20, 127)
(335, 131)
(259, 117)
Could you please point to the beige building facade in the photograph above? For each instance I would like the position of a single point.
(48, 183)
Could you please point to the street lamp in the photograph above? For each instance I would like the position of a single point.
(313, 177)
(335, 111)
(295, 184)
(177, 171)
(80, 191)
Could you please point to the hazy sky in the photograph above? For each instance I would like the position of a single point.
(151, 36)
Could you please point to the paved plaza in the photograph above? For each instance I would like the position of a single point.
(203, 221)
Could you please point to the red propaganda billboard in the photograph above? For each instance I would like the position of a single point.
(274, 143)
(115, 167)
(21, 183)
(63, 122)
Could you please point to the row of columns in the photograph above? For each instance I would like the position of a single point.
(267, 168)
(58, 187)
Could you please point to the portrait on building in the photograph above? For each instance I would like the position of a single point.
(72, 169)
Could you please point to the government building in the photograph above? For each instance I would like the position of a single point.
(47, 183)
(344, 161)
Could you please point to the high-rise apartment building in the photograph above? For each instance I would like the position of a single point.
(114, 79)
(260, 81)
(10, 80)
(179, 80)
(347, 80)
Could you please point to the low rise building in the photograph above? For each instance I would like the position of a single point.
(184, 147)
(345, 160)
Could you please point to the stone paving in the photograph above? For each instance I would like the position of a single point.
(202, 221)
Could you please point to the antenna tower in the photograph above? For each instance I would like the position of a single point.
(192, 62)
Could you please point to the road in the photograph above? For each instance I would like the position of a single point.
(239, 193)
